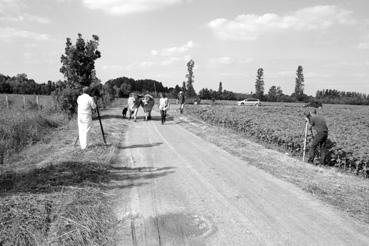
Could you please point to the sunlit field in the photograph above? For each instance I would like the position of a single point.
(283, 124)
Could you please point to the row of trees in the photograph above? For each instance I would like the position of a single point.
(20, 84)
(342, 97)
(275, 93)
(121, 87)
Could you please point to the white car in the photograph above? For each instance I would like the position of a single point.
(250, 101)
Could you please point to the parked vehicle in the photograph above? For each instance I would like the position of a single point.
(249, 101)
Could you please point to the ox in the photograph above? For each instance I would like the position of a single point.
(147, 104)
(145, 101)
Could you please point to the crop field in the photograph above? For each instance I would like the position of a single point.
(283, 126)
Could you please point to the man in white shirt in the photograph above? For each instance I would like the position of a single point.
(163, 107)
(85, 106)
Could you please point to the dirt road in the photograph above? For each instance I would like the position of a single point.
(185, 191)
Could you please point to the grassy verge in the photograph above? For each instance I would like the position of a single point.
(52, 193)
(346, 192)
(21, 128)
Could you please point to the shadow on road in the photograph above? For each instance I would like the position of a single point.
(158, 118)
(53, 178)
(140, 146)
(108, 116)
(153, 118)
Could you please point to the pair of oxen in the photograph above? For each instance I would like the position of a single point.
(145, 101)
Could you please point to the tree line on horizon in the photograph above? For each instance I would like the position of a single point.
(275, 93)
(78, 68)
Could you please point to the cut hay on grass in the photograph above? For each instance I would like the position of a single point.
(72, 217)
(62, 204)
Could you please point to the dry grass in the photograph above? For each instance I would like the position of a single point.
(347, 192)
(59, 204)
(71, 217)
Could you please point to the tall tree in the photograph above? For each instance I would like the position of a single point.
(259, 84)
(220, 90)
(299, 85)
(78, 61)
(190, 79)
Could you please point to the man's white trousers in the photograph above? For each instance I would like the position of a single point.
(84, 127)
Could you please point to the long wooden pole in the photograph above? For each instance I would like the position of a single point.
(305, 139)
(101, 126)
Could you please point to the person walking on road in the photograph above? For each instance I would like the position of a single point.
(84, 114)
(163, 107)
(181, 101)
(318, 123)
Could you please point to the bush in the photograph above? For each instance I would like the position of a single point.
(67, 100)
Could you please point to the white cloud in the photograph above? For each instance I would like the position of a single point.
(225, 60)
(170, 61)
(24, 18)
(9, 33)
(222, 60)
(123, 7)
(112, 67)
(363, 45)
(13, 11)
(174, 51)
(163, 63)
(286, 73)
(233, 75)
(251, 26)
(140, 65)
(146, 64)
(28, 55)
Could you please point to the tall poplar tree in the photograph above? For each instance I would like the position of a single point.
(190, 79)
(259, 84)
(220, 89)
(299, 84)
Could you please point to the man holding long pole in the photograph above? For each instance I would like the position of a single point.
(319, 125)
(85, 106)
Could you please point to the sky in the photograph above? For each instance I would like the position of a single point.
(227, 39)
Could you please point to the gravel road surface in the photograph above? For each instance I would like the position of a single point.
(183, 190)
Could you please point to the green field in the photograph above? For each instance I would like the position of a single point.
(283, 124)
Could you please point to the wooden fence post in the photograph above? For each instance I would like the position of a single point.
(24, 101)
(37, 102)
(7, 101)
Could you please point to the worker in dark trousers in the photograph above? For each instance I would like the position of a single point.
(319, 125)
(181, 101)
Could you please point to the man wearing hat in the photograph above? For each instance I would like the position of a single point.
(319, 125)
(181, 101)
(85, 106)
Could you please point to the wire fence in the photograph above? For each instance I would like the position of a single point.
(35, 102)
